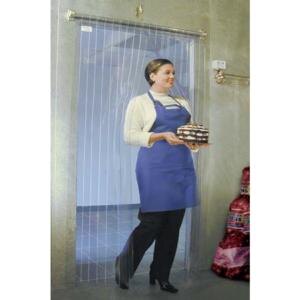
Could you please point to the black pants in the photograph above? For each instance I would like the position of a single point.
(163, 227)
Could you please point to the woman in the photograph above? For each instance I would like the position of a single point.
(165, 175)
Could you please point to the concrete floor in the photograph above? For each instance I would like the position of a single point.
(204, 285)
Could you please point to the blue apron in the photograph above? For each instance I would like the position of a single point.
(165, 173)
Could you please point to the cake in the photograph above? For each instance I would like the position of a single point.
(194, 133)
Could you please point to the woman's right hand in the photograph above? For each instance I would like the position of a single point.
(172, 139)
(168, 136)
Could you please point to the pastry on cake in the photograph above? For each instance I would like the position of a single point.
(193, 133)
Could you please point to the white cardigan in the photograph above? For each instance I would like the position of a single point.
(139, 118)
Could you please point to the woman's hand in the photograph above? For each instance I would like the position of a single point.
(168, 136)
(172, 139)
(195, 146)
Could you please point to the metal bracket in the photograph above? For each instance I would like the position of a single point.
(69, 15)
(221, 77)
(203, 34)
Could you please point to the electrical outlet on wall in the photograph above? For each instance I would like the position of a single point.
(219, 64)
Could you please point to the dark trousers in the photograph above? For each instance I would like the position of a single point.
(163, 227)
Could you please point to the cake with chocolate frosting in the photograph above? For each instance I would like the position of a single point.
(194, 133)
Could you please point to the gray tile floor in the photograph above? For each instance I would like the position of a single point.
(101, 235)
(204, 285)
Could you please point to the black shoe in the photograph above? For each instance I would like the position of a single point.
(164, 285)
(120, 282)
(167, 286)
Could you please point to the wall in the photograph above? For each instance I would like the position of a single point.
(228, 120)
(224, 108)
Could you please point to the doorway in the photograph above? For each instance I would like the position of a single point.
(111, 63)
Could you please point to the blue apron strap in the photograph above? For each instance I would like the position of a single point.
(156, 101)
(176, 100)
(151, 97)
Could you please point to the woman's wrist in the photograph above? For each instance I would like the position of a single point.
(168, 136)
(156, 136)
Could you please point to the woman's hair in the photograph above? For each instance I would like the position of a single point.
(153, 66)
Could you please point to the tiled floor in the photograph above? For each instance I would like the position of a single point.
(101, 235)
(204, 285)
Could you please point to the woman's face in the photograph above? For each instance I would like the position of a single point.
(164, 77)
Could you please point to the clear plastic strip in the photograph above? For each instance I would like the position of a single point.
(127, 98)
(177, 85)
(109, 171)
(180, 75)
(118, 147)
(141, 78)
(85, 131)
(122, 90)
(137, 60)
(191, 73)
(182, 64)
(92, 139)
(99, 190)
(79, 82)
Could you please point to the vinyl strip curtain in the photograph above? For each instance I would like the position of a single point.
(111, 63)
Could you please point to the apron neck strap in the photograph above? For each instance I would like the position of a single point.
(176, 100)
(154, 101)
(151, 97)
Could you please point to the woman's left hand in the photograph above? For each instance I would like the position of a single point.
(195, 146)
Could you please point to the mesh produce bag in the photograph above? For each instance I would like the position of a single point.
(232, 258)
